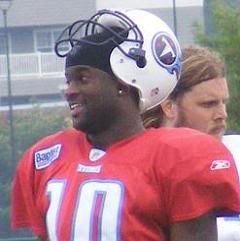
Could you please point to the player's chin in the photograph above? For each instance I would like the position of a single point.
(82, 124)
(217, 132)
(78, 124)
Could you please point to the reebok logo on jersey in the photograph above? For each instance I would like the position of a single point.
(220, 164)
(47, 156)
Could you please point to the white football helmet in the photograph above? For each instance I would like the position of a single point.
(148, 58)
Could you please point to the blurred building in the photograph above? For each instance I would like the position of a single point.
(33, 26)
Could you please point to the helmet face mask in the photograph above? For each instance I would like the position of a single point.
(145, 52)
(114, 22)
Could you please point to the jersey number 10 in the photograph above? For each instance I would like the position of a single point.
(107, 222)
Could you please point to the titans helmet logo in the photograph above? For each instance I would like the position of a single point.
(166, 53)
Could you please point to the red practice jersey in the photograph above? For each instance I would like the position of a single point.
(65, 189)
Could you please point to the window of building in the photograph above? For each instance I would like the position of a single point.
(45, 40)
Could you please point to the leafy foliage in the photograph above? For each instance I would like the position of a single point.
(225, 39)
(29, 127)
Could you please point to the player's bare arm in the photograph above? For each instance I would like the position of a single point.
(202, 228)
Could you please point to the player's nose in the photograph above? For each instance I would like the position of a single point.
(70, 91)
(221, 112)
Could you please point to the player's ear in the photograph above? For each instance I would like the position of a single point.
(123, 89)
(169, 109)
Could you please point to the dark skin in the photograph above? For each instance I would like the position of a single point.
(106, 111)
(203, 228)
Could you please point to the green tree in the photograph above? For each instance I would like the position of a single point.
(225, 39)
(30, 126)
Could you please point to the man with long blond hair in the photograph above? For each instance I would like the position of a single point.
(199, 101)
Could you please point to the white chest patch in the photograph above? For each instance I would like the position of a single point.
(47, 156)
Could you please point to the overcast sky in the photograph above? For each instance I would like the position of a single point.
(145, 3)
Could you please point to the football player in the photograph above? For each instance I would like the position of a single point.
(108, 178)
(199, 101)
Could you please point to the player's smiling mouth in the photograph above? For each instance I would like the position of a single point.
(74, 105)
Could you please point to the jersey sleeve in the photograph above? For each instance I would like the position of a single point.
(24, 211)
(199, 178)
